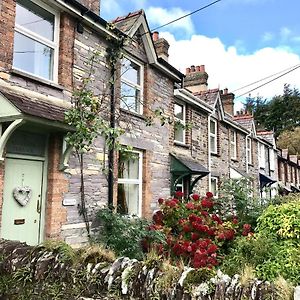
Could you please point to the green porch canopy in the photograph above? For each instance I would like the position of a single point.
(186, 167)
(19, 109)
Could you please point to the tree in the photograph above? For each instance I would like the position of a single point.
(280, 113)
(290, 139)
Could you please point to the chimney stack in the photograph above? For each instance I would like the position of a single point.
(228, 101)
(196, 79)
(92, 5)
(161, 45)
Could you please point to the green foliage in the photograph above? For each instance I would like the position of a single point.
(65, 251)
(279, 114)
(274, 250)
(290, 139)
(282, 220)
(236, 199)
(124, 234)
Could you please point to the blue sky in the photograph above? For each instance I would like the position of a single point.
(239, 41)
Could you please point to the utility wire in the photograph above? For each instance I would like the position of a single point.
(257, 81)
(182, 17)
(296, 67)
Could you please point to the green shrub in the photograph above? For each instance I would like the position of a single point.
(124, 234)
(282, 220)
(274, 250)
(252, 251)
(236, 199)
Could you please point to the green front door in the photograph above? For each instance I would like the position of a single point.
(22, 200)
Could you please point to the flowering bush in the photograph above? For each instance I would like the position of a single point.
(194, 232)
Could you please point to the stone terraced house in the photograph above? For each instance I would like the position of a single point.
(44, 49)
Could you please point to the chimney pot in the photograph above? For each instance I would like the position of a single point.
(155, 36)
(192, 68)
(198, 69)
(226, 91)
(187, 70)
(202, 68)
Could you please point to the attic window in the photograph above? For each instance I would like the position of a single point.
(131, 86)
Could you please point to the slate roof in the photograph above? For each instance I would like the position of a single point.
(208, 96)
(244, 120)
(266, 135)
(125, 23)
(38, 109)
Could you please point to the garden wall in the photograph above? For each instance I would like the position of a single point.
(58, 272)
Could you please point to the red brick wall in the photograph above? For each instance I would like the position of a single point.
(7, 24)
(56, 214)
(66, 51)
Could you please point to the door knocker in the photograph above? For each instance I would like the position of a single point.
(22, 194)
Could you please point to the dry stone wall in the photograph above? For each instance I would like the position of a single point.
(124, 278)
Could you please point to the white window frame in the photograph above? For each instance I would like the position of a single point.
(233, 144)
(183, 121)
(272, 159)
(52, 44)
(139, 87)
(214, 136)
(249, 150)
(216, 179)
(138, 181)
(261, 155)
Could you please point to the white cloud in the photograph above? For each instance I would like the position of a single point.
(267, 36)
(158, 16)
(285, 33)
(227, 68)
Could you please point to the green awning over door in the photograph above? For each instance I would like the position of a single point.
(186, 167)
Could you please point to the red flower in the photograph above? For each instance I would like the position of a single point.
(216, 218)
(229, 234)
(171, 203)
(209, 194)
(204, 213)
(158, 218)
(221, 236)
(179, 194)
(212, 261)
(195, 236)
(207, 203)
(186, 228)
(196, 197)
(160, 200)
(212, 248)
(247, 227)
(190, 205)
(235, 220)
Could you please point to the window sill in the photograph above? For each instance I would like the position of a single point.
(251, 165)
(183, 145)
(131, 113)
(37, 79)
(234, 159)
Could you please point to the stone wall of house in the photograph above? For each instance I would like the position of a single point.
(151, 140)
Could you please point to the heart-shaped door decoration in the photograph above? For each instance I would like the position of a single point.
(22, 194)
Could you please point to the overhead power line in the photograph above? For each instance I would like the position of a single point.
(187, 15)
(262, 79)
(295, 68)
